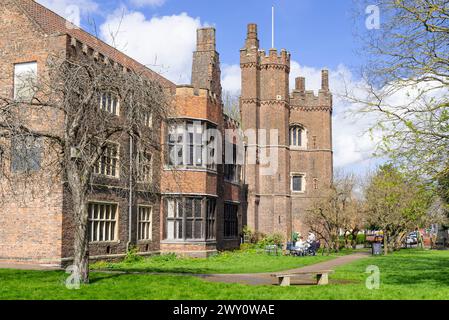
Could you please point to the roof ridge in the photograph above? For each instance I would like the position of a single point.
(52, 23)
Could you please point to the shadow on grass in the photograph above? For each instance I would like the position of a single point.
(156, 270)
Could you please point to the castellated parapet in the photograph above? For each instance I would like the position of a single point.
(191, 91)
(307, 99)
(274, 59)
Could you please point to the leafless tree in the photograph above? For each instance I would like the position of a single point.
(62, 128)
(231, 105)
(338, 210)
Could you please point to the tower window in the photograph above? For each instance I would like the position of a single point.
(298, 183)
(297, 136)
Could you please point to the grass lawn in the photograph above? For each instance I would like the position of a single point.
(409, 274)
(248, 261)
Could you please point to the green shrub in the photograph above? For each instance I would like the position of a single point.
(274, 239)
(361, 238)
(247, 246)
(251, 236)
(167, 257)
(133, 256)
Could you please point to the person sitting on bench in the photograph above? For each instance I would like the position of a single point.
(300, 245)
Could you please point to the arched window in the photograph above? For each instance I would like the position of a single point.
(297, 136)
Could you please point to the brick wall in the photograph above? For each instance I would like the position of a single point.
(30, 215)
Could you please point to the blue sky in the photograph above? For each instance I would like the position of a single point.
(318, 33)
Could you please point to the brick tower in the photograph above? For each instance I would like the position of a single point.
(265, 106)
(313, 159)
(301, 144)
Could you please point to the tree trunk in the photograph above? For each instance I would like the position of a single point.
(78, 188)
(81, 243)
(354, 239)
(385, 244)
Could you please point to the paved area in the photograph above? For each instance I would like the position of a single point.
(267, 279)
(27, 266)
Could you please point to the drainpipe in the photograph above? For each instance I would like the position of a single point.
(130, 209)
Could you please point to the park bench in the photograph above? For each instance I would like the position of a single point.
(322, 277)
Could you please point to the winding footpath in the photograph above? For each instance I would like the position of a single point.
(267, 279)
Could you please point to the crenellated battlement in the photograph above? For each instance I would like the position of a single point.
(273, 58)
(307, 99)
(253, 57)
(191, 91)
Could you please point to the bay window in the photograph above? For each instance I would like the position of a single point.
(191, 144)
(190, 219)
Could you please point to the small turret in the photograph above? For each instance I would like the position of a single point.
(252, 42)
(300, 84)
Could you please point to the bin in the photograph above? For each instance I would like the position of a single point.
(377, 248)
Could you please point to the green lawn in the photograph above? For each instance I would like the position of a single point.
(409, 274)
(227, 262)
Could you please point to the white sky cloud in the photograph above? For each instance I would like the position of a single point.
(151, 3)
(165, 44)
(231, 78)
(353, 146)
(72, 10)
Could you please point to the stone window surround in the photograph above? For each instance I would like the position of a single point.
(117, 169)
(18, 64)
(141, 167)
(204, 198)
(304, 136)
(113, 99)
(204, 167)
(300, 174)
(150, 222)
(117, 221)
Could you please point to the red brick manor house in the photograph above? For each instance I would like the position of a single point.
(202, 207)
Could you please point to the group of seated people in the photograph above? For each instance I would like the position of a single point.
(302, 245)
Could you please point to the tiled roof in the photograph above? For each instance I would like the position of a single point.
(51, 23)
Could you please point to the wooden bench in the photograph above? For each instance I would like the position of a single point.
(322, 277)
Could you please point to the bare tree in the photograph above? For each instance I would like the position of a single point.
(231, 105)
(66, 127)
(338, 210)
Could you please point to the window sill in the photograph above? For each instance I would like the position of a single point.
(99, 175)
(190, 169)
(105, 242)
(144, 241)
(298, 148)
(189, 242)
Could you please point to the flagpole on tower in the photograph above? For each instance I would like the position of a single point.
(272, 26)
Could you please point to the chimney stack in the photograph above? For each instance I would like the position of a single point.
(251, 38)
(325, 80)
(205, 39)
(300, 84)
(206, 72)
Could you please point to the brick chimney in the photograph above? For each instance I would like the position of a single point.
(206, 62)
